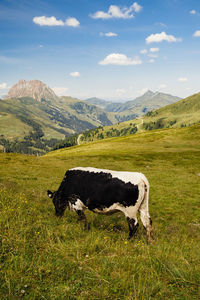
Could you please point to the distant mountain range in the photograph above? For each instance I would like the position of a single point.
(137, 107)
(185, 112)
(33, 112)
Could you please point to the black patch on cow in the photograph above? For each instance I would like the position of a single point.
(95, 190)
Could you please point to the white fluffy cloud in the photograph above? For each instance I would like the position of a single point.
(197, 33)
(3, 86)
(75, 74)
(182, 79)
(52, 21)
(120, 59)
(160, 37)
(108, 34)
(47, 21)
(73, 22)
(60, 91)
(115, 11)
(136, 7)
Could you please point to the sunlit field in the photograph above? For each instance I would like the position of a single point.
(45, 257)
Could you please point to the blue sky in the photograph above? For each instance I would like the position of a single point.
(109, 49)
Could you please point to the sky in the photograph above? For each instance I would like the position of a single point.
(110, 49)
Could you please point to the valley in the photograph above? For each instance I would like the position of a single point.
(34, 120)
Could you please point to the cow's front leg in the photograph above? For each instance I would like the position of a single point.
(133, 226)
(82, 217)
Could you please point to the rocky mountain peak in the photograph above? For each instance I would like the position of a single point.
(149, 93)
(35, 89)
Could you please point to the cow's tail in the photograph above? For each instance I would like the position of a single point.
(144, 211)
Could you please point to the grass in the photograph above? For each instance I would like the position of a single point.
(185, 112)
(44, 257)
(16, 127)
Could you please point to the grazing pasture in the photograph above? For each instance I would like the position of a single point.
(45, 257)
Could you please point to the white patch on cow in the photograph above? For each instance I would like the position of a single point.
(133, 177)
(108, 210)
(78, 205)
(129, 211)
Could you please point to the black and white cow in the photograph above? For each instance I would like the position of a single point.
(105, 192)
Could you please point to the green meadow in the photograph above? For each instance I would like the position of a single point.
(45, 257)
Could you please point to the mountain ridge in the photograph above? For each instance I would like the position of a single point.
(32, 116)
(134, 108)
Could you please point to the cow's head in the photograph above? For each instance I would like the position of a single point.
(59, 205)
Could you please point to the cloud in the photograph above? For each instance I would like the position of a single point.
(136, 7)
(120, 92)
(108, 34)
(197, 33)
(160, 37)
(143, 51)
(52, 21)
(75, 74)
(73, 22)
(182, 79)
(47, 21)
(120, 60)
(154, 49)
(3, 86)
(193, 12)
(60, 91)
(115, 11)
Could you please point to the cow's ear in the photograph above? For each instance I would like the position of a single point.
(50, 194)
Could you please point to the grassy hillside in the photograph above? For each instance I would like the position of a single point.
(44, 257)
(42, 123)
(64, 116)
(183, 113)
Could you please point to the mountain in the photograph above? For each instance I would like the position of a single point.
(108, 106)
(34, 89)
(131, 109)
(32, 115)
(98, 102)
(149, 101)
(33, 118)
(184, 113)
(143, 104)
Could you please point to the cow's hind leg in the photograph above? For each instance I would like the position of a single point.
(133, 226)
(82, 217)
(147, 223)
(145, 217)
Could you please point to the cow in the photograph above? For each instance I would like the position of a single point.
(105, 192)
